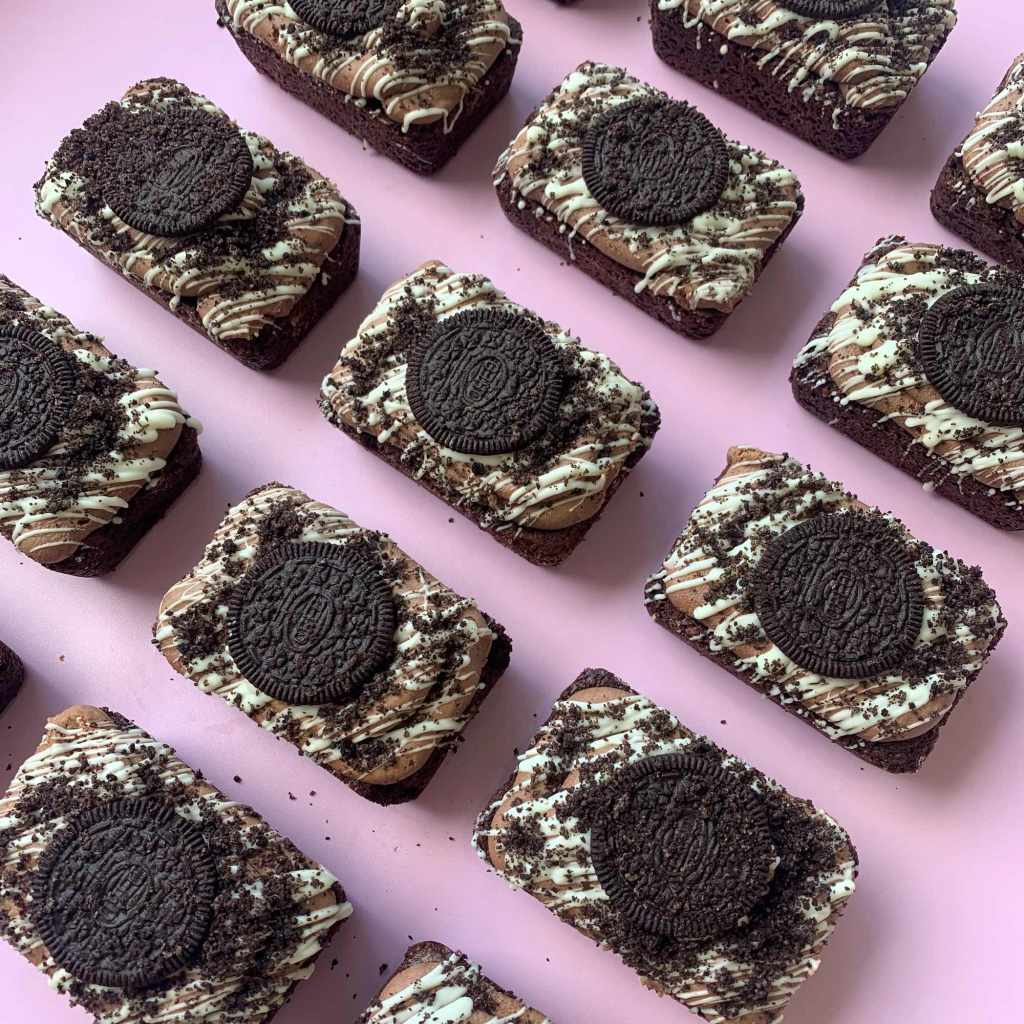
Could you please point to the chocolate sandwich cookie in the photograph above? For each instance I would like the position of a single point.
(332, 638)
(831, 609)
(92, 450)
(143, 892)
(505, 416)
(412, 79)
(647, 196)
(980, 192)
(12, 674)
(435, 983)
(246, 244)
(832, 72)
(937, 386)
(718, 887)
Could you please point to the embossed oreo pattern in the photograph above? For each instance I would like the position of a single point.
(832, 9)
(37, 392)
(310, 623)
(345, 18)
(654, 161)
(175, 171)
(123, 895)
(680, 847)
(484, 382)
(840, 595)
(971, 347)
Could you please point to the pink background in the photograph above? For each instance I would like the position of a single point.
(931, 936)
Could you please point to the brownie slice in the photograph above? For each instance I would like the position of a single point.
(980, 192)
(735, 918)
(93, 451)
(921, 361)
(505, 416)
(244, 243)
(414, 82)
(646, 196)
(832, 72)
(143, 893)
(435, 983)
(12, 674)
(335, 640)
(828, 607)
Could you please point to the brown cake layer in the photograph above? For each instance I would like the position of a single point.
(424, 149)
(12, 674)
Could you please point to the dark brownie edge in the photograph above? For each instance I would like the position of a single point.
(12, 675)
(423, 149)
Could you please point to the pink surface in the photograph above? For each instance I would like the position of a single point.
(932, 934)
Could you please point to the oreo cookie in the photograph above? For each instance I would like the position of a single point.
(654, 161)
(310, 623)
(485, 381)
(345, 19)
(839, 594)
(681, 847)
(123, 895)
(38, 386)
(176, 171)
(832, 10)
(971, 347)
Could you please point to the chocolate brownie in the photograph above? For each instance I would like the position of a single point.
(718, 887)
(505, 416)
(144, 893)
(93, 451)
(645, 195)
(921, 360)
(12, 674)
(980, 192)
(245, 244)
(436, 984)
(828, 607)
(412, 80)
(334, 640)
(832, 72)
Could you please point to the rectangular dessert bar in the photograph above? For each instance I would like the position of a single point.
(832, 72)
(649, 199)
(412, 80)
(92, 450)
(12, 674)
(510, 419)
(332, 638)
(145, 894)
(436, 985)
(244, 243)
(980, 192)
(828, 607)
(735, 919)
(920, 360)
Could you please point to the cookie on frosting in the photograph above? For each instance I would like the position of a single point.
(734, 918)
(980, 192)
(12, 674)
(412, 78)
(246, 244)
(143, 893)
(833, 72)
(830, 608)
(93, 451)
(502, 414)
(332, 638)
(645, 195)
(921, 360)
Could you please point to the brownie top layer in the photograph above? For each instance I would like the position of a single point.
(875, 55)
(417, 695)
(707, 259)
(588, 782)
(249, 266)
(436, 984)
(271, 911)
(868, 351)
(711, 572)
(993, 153)
(414, 60)
(109, 431)
(597, 420)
